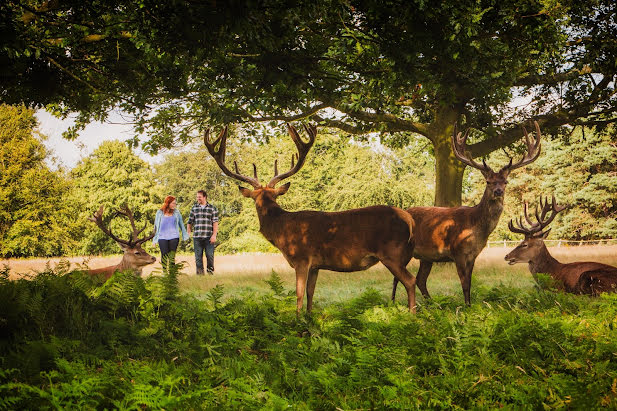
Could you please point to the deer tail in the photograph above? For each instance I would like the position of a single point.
(405, 216)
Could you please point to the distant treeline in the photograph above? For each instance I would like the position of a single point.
(44, 212)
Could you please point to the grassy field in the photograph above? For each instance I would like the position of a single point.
(245, 273)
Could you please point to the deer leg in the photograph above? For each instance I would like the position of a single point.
(423, 272)
(302, 270)
(310, 287)
(394, 284)
(408, 280)
(464, 270)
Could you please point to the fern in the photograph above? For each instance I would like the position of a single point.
(215, 295)
(276, 284)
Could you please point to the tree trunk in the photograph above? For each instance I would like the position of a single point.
(448, 169)
(448, 176)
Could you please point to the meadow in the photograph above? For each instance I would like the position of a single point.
(233, 340)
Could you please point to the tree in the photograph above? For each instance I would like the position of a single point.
(35, 217)
(402, 67)
(112, 176)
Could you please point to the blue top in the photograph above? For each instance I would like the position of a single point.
(176, 222)
(169, 229)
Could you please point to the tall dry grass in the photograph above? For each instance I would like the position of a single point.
(244, 274)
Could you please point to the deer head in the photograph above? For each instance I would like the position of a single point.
(260, 193)
(533, 244)
(134, 257)
(496, 181)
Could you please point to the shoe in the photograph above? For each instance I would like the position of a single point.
(211, 272)
(199, 273)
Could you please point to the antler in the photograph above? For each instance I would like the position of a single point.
(303, 149)
(541, 221)
(97, 218)
(459, 147)
(533, 150)
(135, 240)
(219, 157)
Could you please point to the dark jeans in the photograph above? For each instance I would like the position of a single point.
(168, 246)
(201, 245)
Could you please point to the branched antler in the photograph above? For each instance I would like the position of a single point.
(303, 149)
(542, 221)
(219, 157)
(97, 218)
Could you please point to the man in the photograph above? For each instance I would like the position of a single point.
(204, 218)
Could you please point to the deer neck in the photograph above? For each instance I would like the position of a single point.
(125, 265)
(488, 212)
(268, 212)
(544, 262)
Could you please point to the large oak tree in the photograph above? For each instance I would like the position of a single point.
(404, 68)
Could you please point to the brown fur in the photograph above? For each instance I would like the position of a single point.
(578, 277)
(456, 234)
(312, 240)
(459, 234)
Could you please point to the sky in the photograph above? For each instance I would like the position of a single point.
(68, 153)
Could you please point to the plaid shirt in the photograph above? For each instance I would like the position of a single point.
(202, 218)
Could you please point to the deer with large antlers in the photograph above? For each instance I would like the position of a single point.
(459, 234)
(343, 241)
(135, 257)
(579, 278)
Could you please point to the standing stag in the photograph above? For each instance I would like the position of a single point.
(135, 257)
(343, 241)
(460, 233)
(578, 278)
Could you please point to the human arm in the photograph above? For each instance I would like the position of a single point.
(215, 225)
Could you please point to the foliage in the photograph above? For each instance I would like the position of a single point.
(35, 216)
(580, 171)
(339, 174)
(69, 342)
(112, 175)
(405, 68)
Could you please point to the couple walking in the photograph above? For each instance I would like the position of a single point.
(203, 224)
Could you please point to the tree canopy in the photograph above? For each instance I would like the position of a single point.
(402, 68)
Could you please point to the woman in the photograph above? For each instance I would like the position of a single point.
(166, 224)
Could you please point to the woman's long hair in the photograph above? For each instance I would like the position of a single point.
(165, 208)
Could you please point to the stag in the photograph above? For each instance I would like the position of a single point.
(135, 257)
(343, 241)
(579, 277)
(459, 234)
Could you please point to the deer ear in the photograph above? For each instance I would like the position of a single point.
(245, 191)
(545, 234)
(124, 247)
(282, 189)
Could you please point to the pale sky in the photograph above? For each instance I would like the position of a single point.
(70, 152)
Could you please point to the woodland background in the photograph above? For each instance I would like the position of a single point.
(44, 208)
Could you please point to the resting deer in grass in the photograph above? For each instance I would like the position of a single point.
(579, 278)
(459, 234)
(135, 257)
(343, 241)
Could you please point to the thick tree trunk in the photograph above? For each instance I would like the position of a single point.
(448, 177)
(448, 169)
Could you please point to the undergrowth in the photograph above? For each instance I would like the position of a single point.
(69, 341)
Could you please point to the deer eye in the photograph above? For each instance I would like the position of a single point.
(524, 245)
(137, 253)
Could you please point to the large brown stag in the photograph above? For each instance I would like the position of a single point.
(135, 257)
(343, 241)
(579, 278)
(459, 234)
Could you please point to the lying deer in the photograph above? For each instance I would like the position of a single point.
(579, 278)
(343, 241)
(460, 233)
(135, 257)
